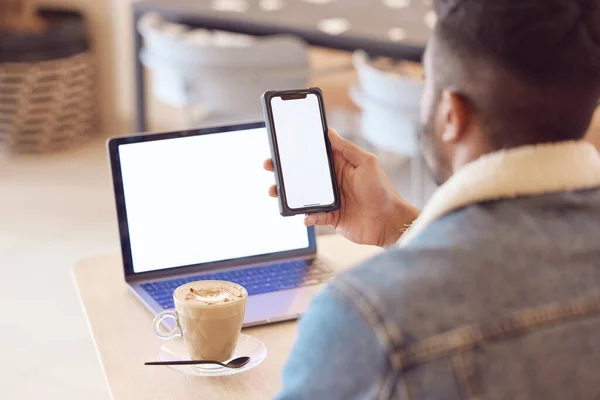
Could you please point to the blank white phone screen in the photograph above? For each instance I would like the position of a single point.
(302, 152)
(199, 199)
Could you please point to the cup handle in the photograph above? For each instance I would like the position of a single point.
(157, 325)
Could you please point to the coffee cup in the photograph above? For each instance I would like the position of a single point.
(208, 316)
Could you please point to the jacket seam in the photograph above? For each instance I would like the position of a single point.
(376, 322)
(518, 324)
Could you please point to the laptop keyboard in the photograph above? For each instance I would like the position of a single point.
(256, 280)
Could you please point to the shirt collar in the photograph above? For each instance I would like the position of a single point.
(522, 171)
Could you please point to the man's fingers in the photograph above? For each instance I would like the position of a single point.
(351, 152)
(273, 191)
(268, 165)
(319, 219)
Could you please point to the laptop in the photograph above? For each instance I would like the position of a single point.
(193, 205)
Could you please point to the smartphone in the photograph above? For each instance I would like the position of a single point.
(301, 151)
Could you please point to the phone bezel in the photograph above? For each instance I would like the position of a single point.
(284, 209)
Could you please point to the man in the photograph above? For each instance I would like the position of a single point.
(494, 291)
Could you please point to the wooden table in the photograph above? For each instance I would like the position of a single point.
(396, 29)
(122, 331)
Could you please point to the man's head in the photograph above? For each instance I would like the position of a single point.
(508, 73)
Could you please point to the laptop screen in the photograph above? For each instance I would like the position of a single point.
(201, 199)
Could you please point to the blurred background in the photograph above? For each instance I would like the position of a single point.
(74, 72)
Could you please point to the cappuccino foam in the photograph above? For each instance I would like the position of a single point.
(211, 293)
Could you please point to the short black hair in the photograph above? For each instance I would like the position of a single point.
(531, 68)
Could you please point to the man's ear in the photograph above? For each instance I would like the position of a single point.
(456, 112)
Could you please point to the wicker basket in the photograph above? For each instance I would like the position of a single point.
(47, 87)
(48, 105)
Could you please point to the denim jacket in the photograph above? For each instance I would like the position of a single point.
(494, 293)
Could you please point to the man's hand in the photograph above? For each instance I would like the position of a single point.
(371, 211)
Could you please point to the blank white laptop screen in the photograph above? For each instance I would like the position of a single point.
(201, 199)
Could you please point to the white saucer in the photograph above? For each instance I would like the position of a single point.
(173, 350)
